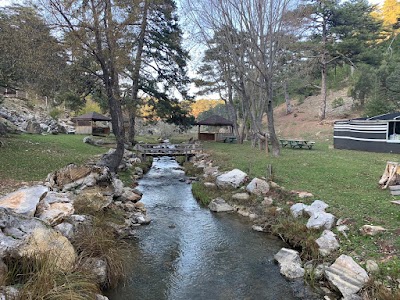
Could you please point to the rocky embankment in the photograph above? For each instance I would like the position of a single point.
(338, 276)
(43, 220)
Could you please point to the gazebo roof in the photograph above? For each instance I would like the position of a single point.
(215, 120)
(93, 116)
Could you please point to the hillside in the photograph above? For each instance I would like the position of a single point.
(304, 123)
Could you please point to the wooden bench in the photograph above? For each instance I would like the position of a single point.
(297, 144)
(230, 139)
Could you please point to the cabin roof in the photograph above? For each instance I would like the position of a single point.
(92, 116)
(390, 116)
(215, 120)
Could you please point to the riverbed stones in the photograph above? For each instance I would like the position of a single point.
(25, 200)
(371, 230)
(346, 275)
(258, 187)
(290, 263)
(327, 243)
(129, 194)
(210, 171)
(219, 205)
(233, 178)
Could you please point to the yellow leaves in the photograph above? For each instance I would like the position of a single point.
(202, 105)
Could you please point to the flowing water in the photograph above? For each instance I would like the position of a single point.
(188, 252)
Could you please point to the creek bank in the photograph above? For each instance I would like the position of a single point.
(47, 222)
(307, 227)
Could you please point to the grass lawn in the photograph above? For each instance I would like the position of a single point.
(29, 157)
(346, 180)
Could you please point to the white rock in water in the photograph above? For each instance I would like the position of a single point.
(290, 263)
(346, 275)
(232, 178)
(219, 205)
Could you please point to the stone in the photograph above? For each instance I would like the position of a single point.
(241, 196)
(243, 212)
(98, 268)
(258, 187)
(89, 140)
(9, 293)
(233, 178)
(219, 205)
(56, 213)
(93, 198)
(118, 186)
(297, 209)
(24, 201)
(257, 228)
(130, 195)
(273, 185)
(321, 220)
(66, 229)
(316, 207)
(305, 195)
(346, 275)
(211, 171)
(343, 229)
(210, 184)
(101, 297)
(372, 266)
(371, 230)
(327, 243)
(268, 201)
(290, 263)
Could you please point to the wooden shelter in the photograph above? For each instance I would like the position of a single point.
(212, 124)
(92, 123)
(376, 134)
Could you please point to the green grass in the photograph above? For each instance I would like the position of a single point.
(31, 157)
(346, 180)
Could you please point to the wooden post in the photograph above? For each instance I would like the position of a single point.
(269, 171)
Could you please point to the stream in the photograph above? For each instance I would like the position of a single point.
(188, 252)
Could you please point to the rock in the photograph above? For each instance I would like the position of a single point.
(93, 198)
(232, 178)
(273, 185)
(258, 187)
(321, 220)
(89, 140)
(141, 219)
(9, 293)
(268, 201)
(33, 127)
(243, 212)
(118, 187)
(297, 209)
(56, 213)
(290, 263)
(211, 171)
(219, 205)
(316, 207)
(257, 228)
(130, 195)
(305, 195)
(371, 230)
(327, 243)
(210, 184)
(98, 268)
(343, 229)
(316, 271)
(346, 275)
(66, 229)
(101, 297)
(372, 266)
(139, 171)
(24, 201)
(241, 196)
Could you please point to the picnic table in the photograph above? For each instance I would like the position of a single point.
(229, 139)
(297, 143)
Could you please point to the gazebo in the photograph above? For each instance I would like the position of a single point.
(213, 122)
(92, 123)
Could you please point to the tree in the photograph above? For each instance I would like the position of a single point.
(96, 28)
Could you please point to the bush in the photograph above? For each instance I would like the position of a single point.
(337, 102)
(55, 113)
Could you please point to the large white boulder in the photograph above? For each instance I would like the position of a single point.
(233, 178)
(320, 219)
(346, 275)
(290, 263)
(297, 209)
(24, 201)
(258, 187)
(316, 207)
(219, 205)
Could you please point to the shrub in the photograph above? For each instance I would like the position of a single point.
(337, 102)
(55, 113)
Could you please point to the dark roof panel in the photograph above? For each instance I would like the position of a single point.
(93, 116)
(390, 116)
(215, 120)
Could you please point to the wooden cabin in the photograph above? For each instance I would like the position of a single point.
(214, 124)
(92, 123)
(376, 134)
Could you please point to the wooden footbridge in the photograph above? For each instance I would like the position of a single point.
(153, 150)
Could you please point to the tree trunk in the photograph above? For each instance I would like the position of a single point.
(287, 98)
(322, 110)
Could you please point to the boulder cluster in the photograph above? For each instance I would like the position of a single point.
(344, 275)
(43, 219)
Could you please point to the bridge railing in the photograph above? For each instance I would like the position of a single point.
(168, 149)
